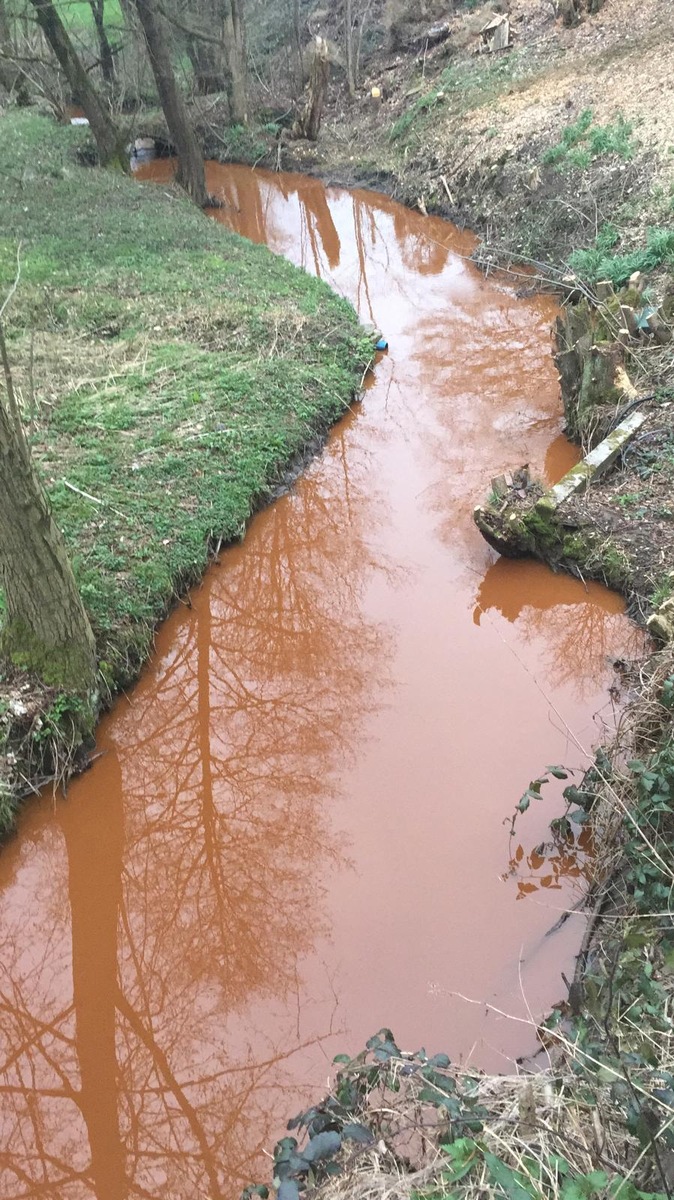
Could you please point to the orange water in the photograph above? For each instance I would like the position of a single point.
(296, 832)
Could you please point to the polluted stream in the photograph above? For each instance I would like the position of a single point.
(298, 831)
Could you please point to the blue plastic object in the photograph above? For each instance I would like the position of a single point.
(382, 344)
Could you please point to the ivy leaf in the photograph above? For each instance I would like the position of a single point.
(574, 795)
(443, 1083)
(386, 1051)
(288, 1190)
(511, 1182)
(557, 772)
(357, 1133)
(578, 816)
(284, 1149)
(324, 1145)
(439, 1060)
(320, 1123)
(384, 1038)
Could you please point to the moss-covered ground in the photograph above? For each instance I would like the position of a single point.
(169, 372)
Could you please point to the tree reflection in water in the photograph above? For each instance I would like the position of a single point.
(575, 652)
(147, 1021)
(168, 938)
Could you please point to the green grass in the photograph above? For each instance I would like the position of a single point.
(177, 369)
(77, 14)
(464, 85)
(582, 142)
(598, 263)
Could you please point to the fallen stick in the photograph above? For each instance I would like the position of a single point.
(445, 185)
(94, 500)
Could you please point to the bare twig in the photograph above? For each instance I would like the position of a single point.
(15, 284)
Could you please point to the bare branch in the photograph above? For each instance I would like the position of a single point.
(190, 30)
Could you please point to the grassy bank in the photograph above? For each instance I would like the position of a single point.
(169, 370)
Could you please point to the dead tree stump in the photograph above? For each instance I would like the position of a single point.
(308, 122)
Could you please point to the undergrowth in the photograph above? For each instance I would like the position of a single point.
(251, 144)
(582, 141)
(597, 262)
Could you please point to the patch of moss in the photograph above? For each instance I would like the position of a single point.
(574, 547)
(543, 530)
(612, 565)
(60, 666)
(595, 556)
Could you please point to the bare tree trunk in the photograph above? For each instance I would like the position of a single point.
(207, 53)
(104, 48)
(348, 43)
(108, 140)
(208, 65)
(297, 39)
(309, 123)
(46, 628)
(190, 158)
(12, 78)
(234, 33)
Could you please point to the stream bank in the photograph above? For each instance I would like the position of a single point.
(294, 830)
(170, 373)
(560, 163)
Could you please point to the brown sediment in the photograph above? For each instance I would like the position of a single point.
(296, 833)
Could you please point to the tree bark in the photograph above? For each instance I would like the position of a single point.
(234, 33)
(226, 47)
(348, 44)
(106, 56)
(108, 140)
(46, 628)
(191, 174)
(297, 38)
(309, 122)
